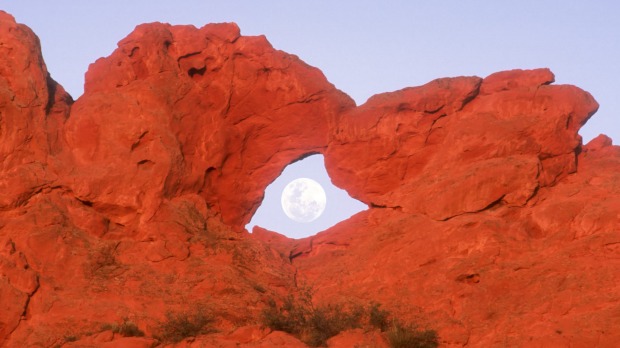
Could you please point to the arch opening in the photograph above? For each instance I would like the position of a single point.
(271, 214)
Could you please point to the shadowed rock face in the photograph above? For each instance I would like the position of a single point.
(489, 220)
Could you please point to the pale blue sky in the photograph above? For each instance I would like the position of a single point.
(339, 205)
(366, 47)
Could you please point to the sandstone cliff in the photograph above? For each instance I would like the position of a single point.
(490, 222)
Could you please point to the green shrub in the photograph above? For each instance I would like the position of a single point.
(71, 338)
(378, 317)
(316, 324)
(291, 317)
(102, 261)
(313, 325)
(400, 336)
(328, 321)
(179, 326)
(126, 329)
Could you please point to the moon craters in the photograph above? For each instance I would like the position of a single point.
(303, 200)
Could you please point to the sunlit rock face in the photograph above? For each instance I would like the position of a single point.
(201, 111)
(460, 145)
(490, 221)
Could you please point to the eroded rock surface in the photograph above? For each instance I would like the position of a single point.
(195, 111)
(460, 145)
(490, 222)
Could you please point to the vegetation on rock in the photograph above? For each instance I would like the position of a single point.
(315, 324)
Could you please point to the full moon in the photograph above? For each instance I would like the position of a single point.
(303, 200)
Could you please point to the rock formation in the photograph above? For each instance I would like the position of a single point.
(489, 221)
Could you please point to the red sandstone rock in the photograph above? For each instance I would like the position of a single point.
(194, 111)
(459, 149)
(357, 337)
(32, 105)
(491, 223)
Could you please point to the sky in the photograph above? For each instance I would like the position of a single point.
(340, 206)
(364, 47)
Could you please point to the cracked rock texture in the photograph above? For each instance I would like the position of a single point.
(488, 219)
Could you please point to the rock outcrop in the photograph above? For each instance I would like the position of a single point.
(489, 221)
(460, 145)
(203, 111)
